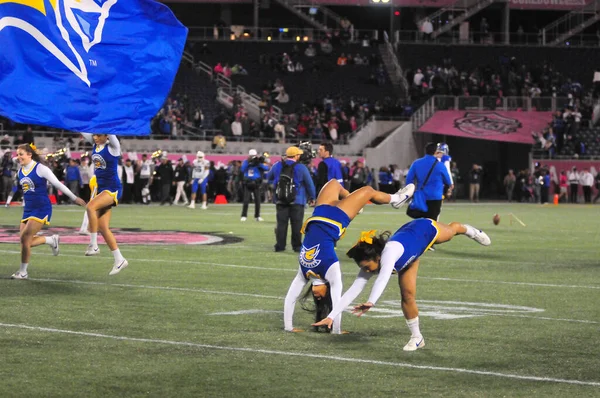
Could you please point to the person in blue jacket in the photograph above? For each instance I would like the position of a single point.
(329, 168)
(292, 213)
(253, 169)
(432, 186)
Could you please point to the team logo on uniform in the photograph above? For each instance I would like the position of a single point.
(308, 257)
(99, 162)
(486, 123)
(81, 20)
(27, 184)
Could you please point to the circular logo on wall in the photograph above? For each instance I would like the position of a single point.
(130, 236)
(486, 123)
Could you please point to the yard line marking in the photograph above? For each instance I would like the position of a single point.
(181, 289)
(306, 355)
(153, 260)
(509, 282)
(543, 318)
(349, 310)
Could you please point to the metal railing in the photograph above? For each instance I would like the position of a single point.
(563, 27)
(249, 33)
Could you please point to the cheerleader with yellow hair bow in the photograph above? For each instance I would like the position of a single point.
(318, 262)
(37, 212)
(386, 254)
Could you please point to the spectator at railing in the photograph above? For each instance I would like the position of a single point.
(310, 51)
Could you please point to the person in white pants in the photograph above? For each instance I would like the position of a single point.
(200, 170)
(181, 177)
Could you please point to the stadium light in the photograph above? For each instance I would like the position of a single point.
(305, 38)
(380, 1)
(269, 38)
(297, 38)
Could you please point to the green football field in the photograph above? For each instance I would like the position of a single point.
(520, 318)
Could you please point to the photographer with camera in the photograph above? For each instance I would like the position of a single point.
(294, 188)
(253, 169)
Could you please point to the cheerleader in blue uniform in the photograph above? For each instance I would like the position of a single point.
(319, 265)
(384, 255)
(33, 177)
(105, 157)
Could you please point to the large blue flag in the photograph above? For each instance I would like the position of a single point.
(99, 66)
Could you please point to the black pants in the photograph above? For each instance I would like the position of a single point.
(574, 188)
(127, 193)
(251, 188)
(434, 208)
(165, 194)
(587, 193)
(287, 214)
(544, 194)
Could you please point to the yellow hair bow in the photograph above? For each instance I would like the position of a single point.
(367, 236)
(33, 147)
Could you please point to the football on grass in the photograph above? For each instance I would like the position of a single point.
(496, 219)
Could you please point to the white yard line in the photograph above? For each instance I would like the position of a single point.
(263, 296)
(306, 355)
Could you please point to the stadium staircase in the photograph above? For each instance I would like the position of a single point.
(571, 24)
(306, 87)
(291, 5)
(394, 70)
(444, 19)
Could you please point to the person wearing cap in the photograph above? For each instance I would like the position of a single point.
(292, 213)
(329, 167)
(200, 171)
(429, 175)
(252, 169)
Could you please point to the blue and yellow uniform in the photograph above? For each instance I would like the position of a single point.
(416, 236)
(105, 169)
(326, 226)
(35, 194)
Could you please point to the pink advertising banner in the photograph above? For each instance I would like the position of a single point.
(506, 126)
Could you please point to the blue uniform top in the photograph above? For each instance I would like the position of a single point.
(305, 187)
(334, 169)
(253, 173)
(416, 236)
(35, 191)
(434, 189)
(105, 168)
(325, 227)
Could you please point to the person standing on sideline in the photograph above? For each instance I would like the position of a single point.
(573, 178)
(164, 171)
(475, 182)
(33, 178)
(253, 169)
(329, 167)
(200, 172)
(429, 175)
(105, 157)
(545, 186)
(145, 170)
(509, 184)
(587, 182)
(443, 154)
(597, 187)
(563, 185)
(128, 181)
(400, 253)
(86, 173)
(73, 177)
(181, 177)
(290, 210)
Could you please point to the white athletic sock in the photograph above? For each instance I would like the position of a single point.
(49, 240)
(118, 256)
(23, 268)
(471, 232)
(204, 203)
(94, 239)
(9, 199)
(395, 198)
(413, 326)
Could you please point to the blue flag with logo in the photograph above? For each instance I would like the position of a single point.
(99, 66)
